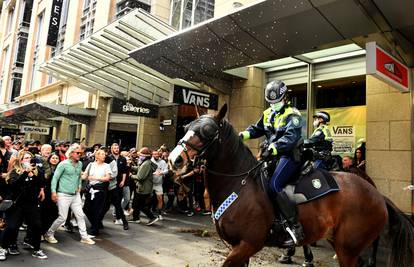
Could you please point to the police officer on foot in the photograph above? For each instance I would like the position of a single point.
(282, 126)
(321, 139)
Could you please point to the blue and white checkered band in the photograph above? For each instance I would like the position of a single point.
(227, 203)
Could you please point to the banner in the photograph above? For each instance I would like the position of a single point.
(54, 22)
(348, 128)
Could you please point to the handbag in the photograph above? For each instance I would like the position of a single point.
(6, 204)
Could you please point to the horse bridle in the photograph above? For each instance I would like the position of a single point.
(198, 160)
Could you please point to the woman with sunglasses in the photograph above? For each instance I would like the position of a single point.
(26, 183)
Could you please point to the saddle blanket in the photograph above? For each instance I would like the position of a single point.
(315, 185)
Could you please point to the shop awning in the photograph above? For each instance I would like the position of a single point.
(102, 62)
(45, 113)
(268, 30)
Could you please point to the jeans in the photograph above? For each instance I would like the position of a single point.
(126, 197)
(282, 174)
(65, 202)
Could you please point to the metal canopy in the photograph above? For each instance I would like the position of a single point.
(269, 30)
(102, 62)
(44, 112)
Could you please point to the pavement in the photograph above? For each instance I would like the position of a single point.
(175, 241)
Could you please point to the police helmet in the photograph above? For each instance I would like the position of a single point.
(275, 91)
(323, 115)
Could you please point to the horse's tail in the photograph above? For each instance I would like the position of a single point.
(401, 234)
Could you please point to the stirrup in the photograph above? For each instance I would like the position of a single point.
(292, 235)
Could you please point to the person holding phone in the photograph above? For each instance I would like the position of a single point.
(26, 185)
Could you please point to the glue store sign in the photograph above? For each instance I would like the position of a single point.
(35, 130)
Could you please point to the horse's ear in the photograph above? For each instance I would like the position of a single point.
(197, 112)
(222, 112)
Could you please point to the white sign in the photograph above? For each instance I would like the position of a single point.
(167, 122)
(35, 130)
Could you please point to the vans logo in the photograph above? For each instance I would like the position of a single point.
(343, 131)
(196, 98)
(187, 96)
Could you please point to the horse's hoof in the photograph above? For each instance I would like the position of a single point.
(285, 259)
(307, 264)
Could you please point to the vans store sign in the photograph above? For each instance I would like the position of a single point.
(192, 97)
(134, 107)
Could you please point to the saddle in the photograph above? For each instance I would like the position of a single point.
(309, 185)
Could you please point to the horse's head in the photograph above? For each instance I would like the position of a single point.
(201, 136)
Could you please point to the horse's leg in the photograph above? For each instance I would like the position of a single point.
(286, 257)
(372, 261)
(240, 255)
(308, 257)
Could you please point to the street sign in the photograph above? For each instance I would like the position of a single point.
(183, 95)
(387, 68)
(35, 129)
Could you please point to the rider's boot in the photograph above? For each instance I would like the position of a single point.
(290, 212)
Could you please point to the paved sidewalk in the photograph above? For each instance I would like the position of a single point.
(171, 243)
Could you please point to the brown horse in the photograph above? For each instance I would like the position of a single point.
(350, 219)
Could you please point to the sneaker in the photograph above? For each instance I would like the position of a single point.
(27, 245)
(152, 221)
(51, 239)
(160, 217)
(39, 254)
(91, 236)
(190, 214)
(134, 221)
(13, 250)
(3, 253)
(207, 212)
(118, 222)
(87, 240)
(126, 227)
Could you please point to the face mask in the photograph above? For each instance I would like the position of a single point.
(142, 158)
(277, 106)
(25, 165)
(315, 123)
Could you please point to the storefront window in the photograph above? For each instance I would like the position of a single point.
(298, 93)
(342, 92)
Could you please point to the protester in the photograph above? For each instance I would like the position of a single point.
(158, 178)
(65, 187)
(97, 174)
(26, 191)
(143, 178)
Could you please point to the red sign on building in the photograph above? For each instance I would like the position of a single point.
(387, 68)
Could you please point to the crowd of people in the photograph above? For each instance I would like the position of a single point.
(45, 187)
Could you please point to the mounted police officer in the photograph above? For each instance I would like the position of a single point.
(321, 140)
(282, 126)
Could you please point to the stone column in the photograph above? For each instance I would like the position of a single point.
(389, 151)
(97, 128)
(247, 103)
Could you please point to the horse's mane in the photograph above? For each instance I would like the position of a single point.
(235, 144)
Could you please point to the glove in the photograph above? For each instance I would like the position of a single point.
(270, 152)
(245, 135)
